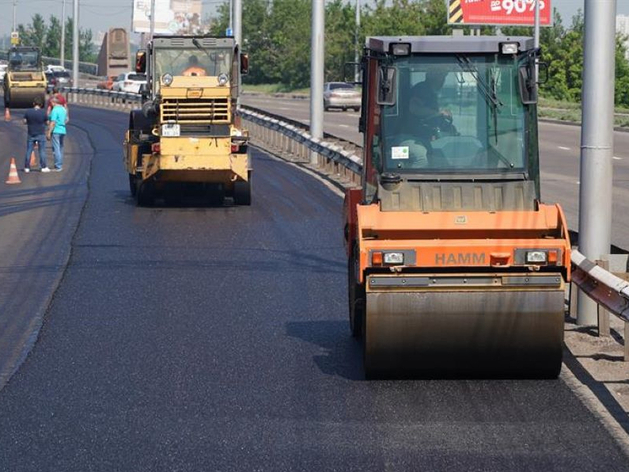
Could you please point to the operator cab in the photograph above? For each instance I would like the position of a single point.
(24, 59)
(449, 109)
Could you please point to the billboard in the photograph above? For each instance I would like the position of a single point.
(171, 16)
(498, 12)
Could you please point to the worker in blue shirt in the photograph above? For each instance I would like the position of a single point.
(57, 131)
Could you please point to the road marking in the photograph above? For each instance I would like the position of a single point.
(284, 108)
(344, 126)
(618, 158)
(563, 148)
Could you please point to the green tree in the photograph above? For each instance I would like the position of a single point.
(341, 39)
(52, 43)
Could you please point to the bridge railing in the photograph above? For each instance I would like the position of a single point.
(342, 161)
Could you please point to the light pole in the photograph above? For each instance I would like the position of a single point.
(75, 44)
(597, 140)
(14, 15)
(152, 31)
(357, 46)
(536, 42)
(62, 56)
(317, 72)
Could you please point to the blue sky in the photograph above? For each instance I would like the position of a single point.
(100, 15)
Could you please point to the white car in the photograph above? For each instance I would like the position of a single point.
(129, 82)
(52, 68)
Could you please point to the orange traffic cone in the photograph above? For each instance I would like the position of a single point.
(7, 114)
(33, 162)
(13, 177)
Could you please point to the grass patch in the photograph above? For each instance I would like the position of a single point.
(273, 88)
(574, 116)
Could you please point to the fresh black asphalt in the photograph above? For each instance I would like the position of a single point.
(187, 338)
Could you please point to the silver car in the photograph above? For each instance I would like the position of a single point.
(340, 95)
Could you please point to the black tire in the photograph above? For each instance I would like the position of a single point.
(357, 109)
(215, 196)
(356, 297)
(144, 195)
(242, 193)
(133, 185)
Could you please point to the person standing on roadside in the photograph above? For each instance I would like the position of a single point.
(56, 94)
(36, 120)
(57, 131)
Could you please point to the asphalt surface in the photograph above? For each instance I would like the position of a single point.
(559, 158)
(193, 338)
(37, 220)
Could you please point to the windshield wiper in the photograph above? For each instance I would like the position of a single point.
(489, 93)
(502, 158)
(490, 97)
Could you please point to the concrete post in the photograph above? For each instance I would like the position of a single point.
(317, 72)
(597, 140)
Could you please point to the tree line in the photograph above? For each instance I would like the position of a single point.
(276, 33)
(47, 37)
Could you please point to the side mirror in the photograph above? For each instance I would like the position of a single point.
(144, 91)
(527, 85)
(244, 64)
(353, 69)
(387, 86)
(140, 62)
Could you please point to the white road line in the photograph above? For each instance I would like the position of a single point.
(344, 126)
(618, 158)
(563, 148)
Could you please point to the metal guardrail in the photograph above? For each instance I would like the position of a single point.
(290, 139)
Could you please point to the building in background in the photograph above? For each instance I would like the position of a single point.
(171, 16)
(622, 27)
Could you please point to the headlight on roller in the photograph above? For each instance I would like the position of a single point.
(223, 79)
(394, 258)
(167, 79)
(536, 257)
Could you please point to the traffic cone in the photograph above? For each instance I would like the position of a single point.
(13, 177)
(33, 162)
(7, 114)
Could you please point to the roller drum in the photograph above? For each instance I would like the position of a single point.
(23, 97)
(500, 333)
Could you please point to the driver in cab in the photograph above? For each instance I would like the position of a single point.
(424, 121)
(424, 103)
(193, 69)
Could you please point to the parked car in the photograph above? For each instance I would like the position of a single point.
(61, 78)
(129, 82)
(341, 95)
(53, 68)
(107, 83)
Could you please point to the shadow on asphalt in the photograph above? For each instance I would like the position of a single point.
(342, 356)
(597, 388)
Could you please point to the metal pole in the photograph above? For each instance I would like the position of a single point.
(231, 15)
(14, 15)
(316, 72)
(357, 46)
(62, 56)
(536, 39)
(237, 19)
(597, 140)
(152, 31)
(75, 44)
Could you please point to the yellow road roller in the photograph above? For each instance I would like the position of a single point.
(24, 79)
(187, 138)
